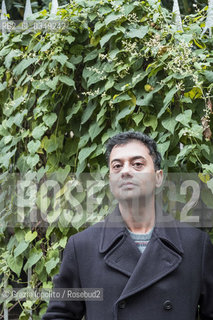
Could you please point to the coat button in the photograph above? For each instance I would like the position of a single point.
(167, 305)
(122, 304)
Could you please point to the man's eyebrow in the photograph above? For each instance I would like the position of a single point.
(133, 158)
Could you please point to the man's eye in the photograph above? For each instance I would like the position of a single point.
(116, 166)
(137, 165)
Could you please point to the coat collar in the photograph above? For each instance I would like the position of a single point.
(114, 228)
(161, 257)
(166, 229)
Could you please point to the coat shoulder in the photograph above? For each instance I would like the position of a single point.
(88, 236)
(191, 235)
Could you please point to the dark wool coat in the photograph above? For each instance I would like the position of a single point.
(169, 280)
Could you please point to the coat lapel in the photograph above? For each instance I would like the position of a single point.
(157, 261)
(162, 255)
(124, 257)
(117, 245)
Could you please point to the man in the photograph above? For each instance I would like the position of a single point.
(148, 268)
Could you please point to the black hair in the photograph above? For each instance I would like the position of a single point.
(125, 137)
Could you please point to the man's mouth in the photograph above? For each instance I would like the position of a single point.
(127, 184)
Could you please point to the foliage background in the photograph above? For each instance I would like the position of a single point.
(120, 65)
(16, 8)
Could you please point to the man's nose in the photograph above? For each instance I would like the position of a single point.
(126, 169)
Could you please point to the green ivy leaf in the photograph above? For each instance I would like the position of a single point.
(137, 118)
(107, 37)
(38, 132)
(39, 268)
(12, 54)
(24, 64)
(51, 264)
(184, 118)
(46, 47)
(186, 150)
(86, 152)
(73, 110)
(50, 119)
(121, 97)
(52, 144)
(22, 164)
(169, 124)
(150, 121)
(163, 147)
(67, 80)
(88, 112)
(22, 246)
(5, 159)
(207, 195)
(33, 146)
(210, 185)
(81, 166)
(113, 17)
(62, 174)
(79, 220)
(125, 112)
(91, 56)
(32, 160)
(52, 84)
(167, 100)
(5, 50)
(17, 119)
(15, 264)
(209, 75)
(110, 83)
(3, 86)
(30, 236)
(94, 130)
(63, 242)
(34, 257)
(70, 39)
(138, 32)
(62, 59)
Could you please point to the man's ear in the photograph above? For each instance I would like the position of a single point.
(159, 178)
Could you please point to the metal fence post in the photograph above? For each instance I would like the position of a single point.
(5, 308)
(54, 7)
(209, 19)
(29, 276)
(176, 12)
(3, 15)
(28, 10)
(3, 11)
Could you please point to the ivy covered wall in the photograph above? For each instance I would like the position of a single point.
(119, 65)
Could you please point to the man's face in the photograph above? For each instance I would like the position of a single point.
(132, 172)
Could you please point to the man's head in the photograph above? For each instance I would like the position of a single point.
(125, 137)
(134, 166)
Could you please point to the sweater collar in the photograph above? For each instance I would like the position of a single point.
(166, 229)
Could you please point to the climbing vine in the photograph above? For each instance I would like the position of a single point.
(114, 66)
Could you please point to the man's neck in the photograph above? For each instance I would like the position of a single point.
(138, 218)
